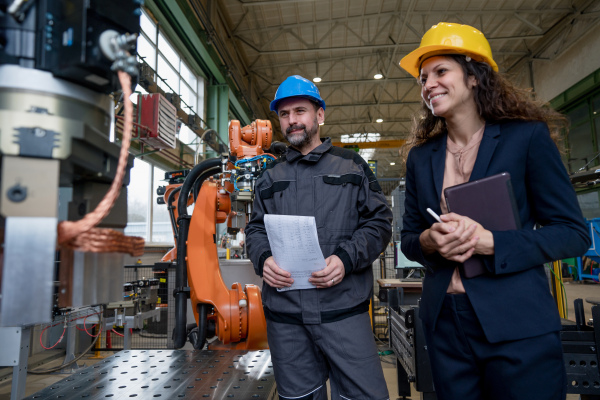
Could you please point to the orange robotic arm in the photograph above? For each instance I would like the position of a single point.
(234, 315)
(250, 140)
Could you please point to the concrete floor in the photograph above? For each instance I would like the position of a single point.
(36, 383)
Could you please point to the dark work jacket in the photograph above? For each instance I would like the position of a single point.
(353, 222)
(513, 300)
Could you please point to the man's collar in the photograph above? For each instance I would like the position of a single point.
(315, 154)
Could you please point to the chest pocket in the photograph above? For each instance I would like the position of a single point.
(342, 179)
(336, 199)
(277, 197)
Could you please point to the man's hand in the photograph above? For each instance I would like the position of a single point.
(275, 276)
(332, 274)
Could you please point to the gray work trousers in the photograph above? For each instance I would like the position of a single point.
(305, 356)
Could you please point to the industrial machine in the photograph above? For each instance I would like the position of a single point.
(222, 192)
(581, 352)
(64, 65)
(408, 342)
(62, 171)
(57, 68)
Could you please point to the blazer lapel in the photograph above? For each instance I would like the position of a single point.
(486, 151)
(438, 164)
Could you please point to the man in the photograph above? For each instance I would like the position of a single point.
(325, 332)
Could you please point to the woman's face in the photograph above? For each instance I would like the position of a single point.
(443, 87)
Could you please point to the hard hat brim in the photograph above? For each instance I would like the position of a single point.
(413, 60)
(273, 105)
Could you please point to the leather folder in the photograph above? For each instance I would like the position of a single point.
(489, 201)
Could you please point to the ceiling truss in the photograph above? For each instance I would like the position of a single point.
(346, 42)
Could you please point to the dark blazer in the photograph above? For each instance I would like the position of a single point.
(513, 300)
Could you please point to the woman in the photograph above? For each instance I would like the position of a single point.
(494, 336)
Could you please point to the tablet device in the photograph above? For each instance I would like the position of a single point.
(489, 201)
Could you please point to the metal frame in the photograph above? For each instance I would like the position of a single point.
(408, 342)
(15, 353)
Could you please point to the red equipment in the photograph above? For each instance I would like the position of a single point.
(159, 116)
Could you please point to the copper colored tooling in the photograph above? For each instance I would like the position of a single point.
(79, 234)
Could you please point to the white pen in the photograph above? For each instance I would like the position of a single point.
(434, 215)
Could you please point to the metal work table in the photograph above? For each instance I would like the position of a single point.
(409, 286)
(171, 374)
(409, 291)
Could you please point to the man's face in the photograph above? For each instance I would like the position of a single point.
(299, 120)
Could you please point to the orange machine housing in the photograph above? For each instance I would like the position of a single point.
(250, 140)
(237, 312)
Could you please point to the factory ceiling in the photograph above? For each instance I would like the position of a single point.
(346, 43)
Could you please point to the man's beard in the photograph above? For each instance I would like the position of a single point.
(300, 140)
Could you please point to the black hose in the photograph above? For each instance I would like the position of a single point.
(203, 325)
(180, 295)
(202, 178)
(180, 331)
(171, 213)
(278, 148)
(188, 184)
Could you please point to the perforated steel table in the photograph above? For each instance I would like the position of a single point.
(171, 374)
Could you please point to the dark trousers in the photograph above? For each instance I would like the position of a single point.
(466, 366)
(305, 356)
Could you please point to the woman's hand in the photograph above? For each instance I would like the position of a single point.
(485, 244)
(453, 239)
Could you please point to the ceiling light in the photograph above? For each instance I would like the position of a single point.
(316, 79)
(379, 120)
(360, 138)
(378, 76)
(392, 163)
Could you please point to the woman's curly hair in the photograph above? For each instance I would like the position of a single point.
(497, 99)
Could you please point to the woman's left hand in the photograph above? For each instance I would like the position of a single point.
(485, 245)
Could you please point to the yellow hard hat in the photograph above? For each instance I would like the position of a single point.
(449, 38)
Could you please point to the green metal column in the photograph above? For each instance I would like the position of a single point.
(218, 112)
(218, 119)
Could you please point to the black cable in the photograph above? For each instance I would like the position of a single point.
(180, 331)
(170, 207)
(202, 178)
(188, 184)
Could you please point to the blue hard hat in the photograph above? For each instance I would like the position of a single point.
(297, 86)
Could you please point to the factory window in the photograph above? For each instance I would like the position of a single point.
(145, 217)
(139, 200)
(174, 75)
(161, 231)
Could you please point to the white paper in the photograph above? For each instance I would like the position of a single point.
(295, 247)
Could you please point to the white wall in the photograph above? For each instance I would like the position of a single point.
(553, 77)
